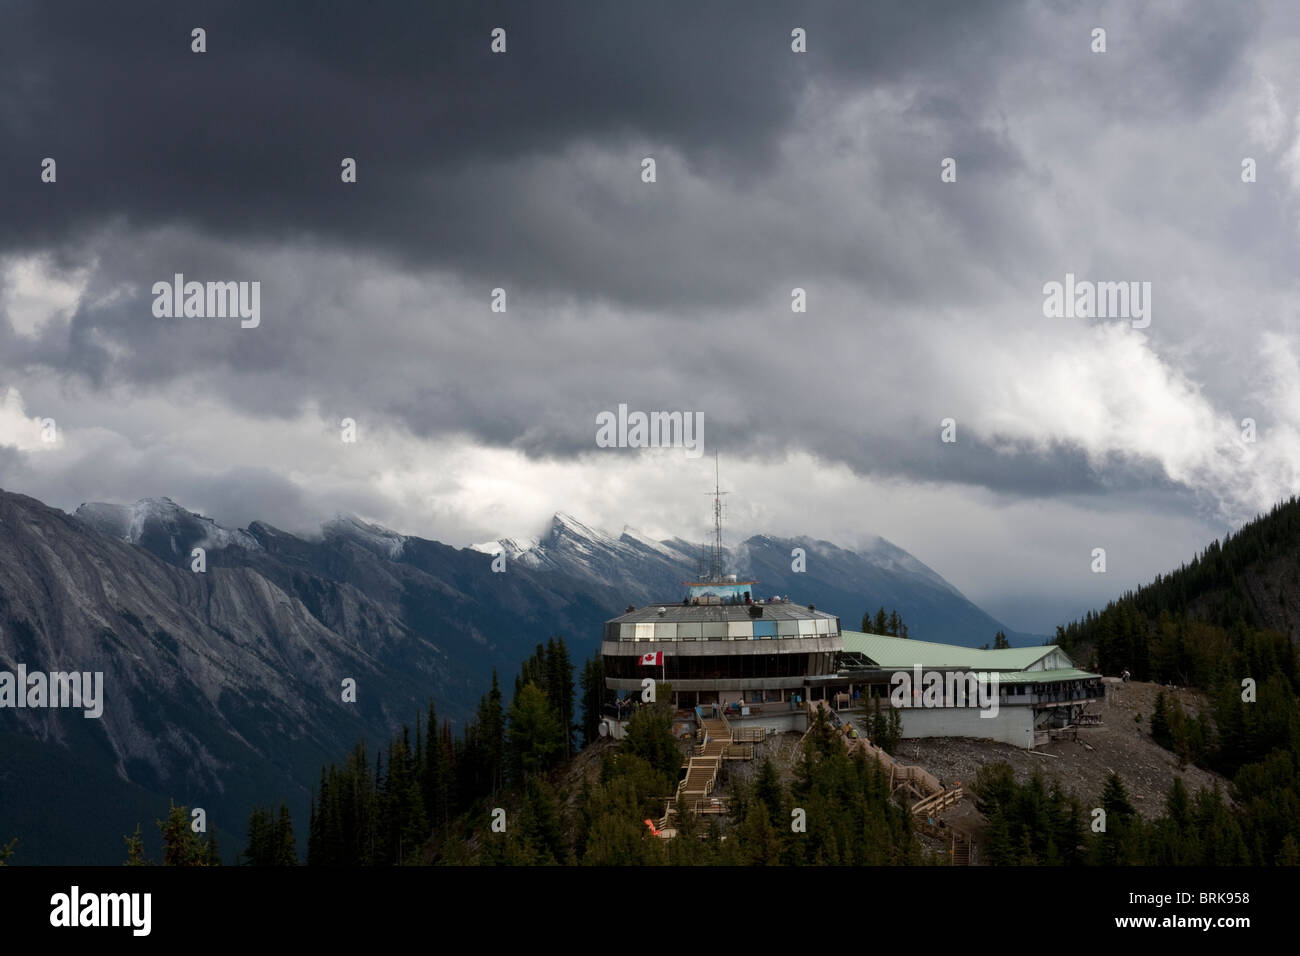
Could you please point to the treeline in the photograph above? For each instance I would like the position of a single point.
(407, 804)
(398, 809)
(1184, 626)
(1000, 642)
(889, 625)
(181, 845)
(417, 802)
(892, 625)
(1212, 580)
(1031, 824)
(1199, 627)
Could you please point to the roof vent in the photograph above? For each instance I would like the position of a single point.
(756, 610)
(663, 611)
(812, 607)
(630, 609)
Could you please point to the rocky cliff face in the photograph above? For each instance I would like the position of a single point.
(223, 688)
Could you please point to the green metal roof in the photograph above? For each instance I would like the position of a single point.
(1043, 677)
(1014, 658)
(899, 652)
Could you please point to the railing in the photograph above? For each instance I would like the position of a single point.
(1065, 697)
(935, 797)
(938, 802)
(708, 806)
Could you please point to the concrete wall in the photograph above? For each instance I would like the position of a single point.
(1012, 725)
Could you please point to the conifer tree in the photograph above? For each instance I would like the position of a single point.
(560, 689)
(181, 846)
(491, 721)
(768, 790)
(432, 779)
(260, 849)
(650, 737)
(535, 735)
(759, 841)
(211, 852)
(134, 849)
(594, 697)
(1160, 732)
(285, 849)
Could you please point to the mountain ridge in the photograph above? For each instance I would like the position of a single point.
(224, 686)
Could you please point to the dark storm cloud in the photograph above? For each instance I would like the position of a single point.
(245, 140)
(479, 170)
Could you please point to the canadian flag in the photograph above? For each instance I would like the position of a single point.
(652, 660)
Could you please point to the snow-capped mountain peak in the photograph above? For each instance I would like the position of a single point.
(159, 520)
(382, 541)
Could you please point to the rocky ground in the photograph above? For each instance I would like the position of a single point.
(1121, 744)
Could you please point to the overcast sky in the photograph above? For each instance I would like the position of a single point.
(522, 170)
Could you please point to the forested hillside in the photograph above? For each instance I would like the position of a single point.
(1227, 623)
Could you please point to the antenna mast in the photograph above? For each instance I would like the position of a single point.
(715, 561)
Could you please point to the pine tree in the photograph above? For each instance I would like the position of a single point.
(181, 846)
(432, 781)
(1160, 731)
(134, 849)
(650, 737)
(260, 849)
(285, 849)
(759, 842)
(1000, 641)
(211, 852)
(560, 690)
(541, 824)
(535, 735)
(1119, 845)
(768, 790)
(491, 721)
(879, 724)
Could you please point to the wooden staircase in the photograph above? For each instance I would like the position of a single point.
(932, 797)
(716, 745)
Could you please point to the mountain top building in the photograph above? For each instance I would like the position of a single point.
(762, 660)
